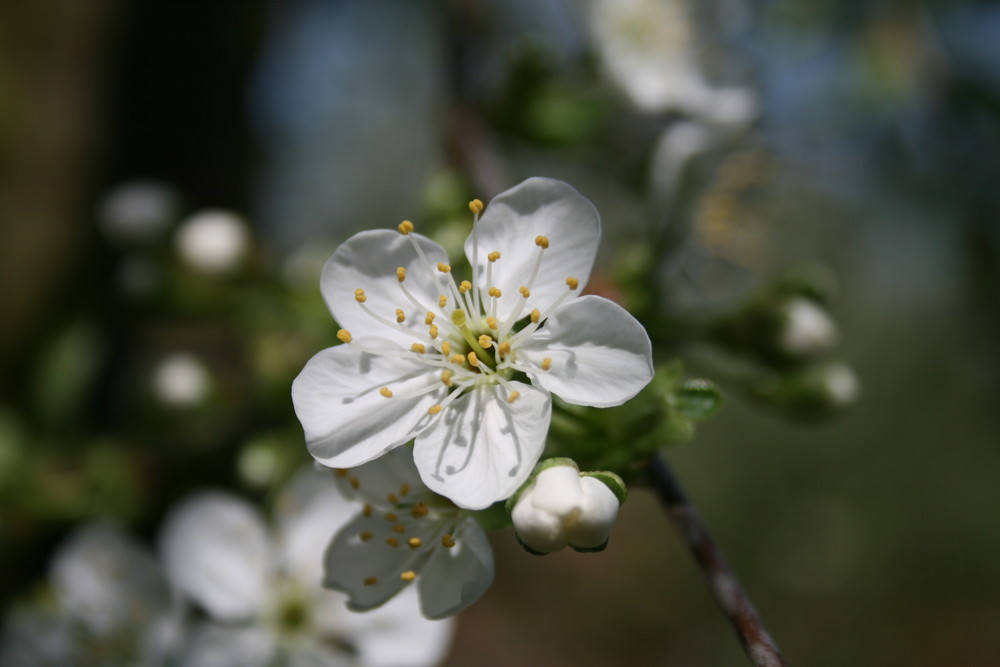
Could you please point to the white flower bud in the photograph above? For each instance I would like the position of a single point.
(562, 508)
(808, 329)
(213, 240)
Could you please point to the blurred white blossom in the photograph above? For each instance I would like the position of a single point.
(138, 212)
(260, 589)
(213, 240)
(181, 380)
(806, 328)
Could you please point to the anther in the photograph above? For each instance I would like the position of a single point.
(355, 482)
(391, 516)
(385, 391)
(464, 286)
(476, 206)
(503, 349)
(546, 363)
(414, 542)
(443, 268)
(434, 409)
(495, 292)
(484, 340)
(447, 540)
(409, 575)
(442, 300)
(446, 348)
(473, 360)
(572, 282)
(446, 377)
(392, 542)
(514, 395)
(392, 498)
(405, 227)
(433, 331)
(359, 296)
(404, 489)
(400, 316)
(399, 528)
(429, 319)
(418, 348)
(366, 535)
(542, 241)
(359, 291)
(419, 510)
(367, 511)
(370, 581)
(492, 323)
(340, 472)
(458, 358)
(401, 273)
(493, 256)
(525, 292)
(535, 316)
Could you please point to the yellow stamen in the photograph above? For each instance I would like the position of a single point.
(447, 540)
(340, 472)
(465, 286)
(492, 323)
(366, 535)
(414, 542)
(355, 482)
(473, 360)
(404, 489)
(476, 206)
(399, 528)
(367, 511)
(572, 282)
(418, 348)
(429, 319)
(392, 498)
(514, 395)
(391, 516)
(371, 581)
(503, 349)
(419, 510)
(542, 241)
(446, 348)
(525, 292)
(442, 300)
(546, 363)
(400, 316)
(495, 292)
(433, 331)
(392, 542)
(385, 391)
(359, 296)
(409, 575)
(359, 291)
(493, 256)
(443, 268)
(434, 409)
(458, 359)
(405, 227)
(484, 340)
(535, 316)
(446, 377)
(401, 273)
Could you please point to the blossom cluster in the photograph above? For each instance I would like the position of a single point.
(465, 368)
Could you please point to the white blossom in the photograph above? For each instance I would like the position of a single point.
(807, 329)
(467, 367)
(213, 240)
(405, 534)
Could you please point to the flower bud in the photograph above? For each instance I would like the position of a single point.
(561, 507)
(807, 329)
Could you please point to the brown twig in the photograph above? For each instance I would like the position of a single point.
(726, 588)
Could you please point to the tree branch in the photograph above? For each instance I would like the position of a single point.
(726, 588)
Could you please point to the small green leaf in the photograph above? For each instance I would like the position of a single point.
(697, 399)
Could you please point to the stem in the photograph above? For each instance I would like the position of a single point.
(726, 588)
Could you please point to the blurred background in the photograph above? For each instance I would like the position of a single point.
(799, 200)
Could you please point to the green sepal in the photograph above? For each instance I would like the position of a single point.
(697, 399)
(527, 548)
(609, 479)
(591, 550)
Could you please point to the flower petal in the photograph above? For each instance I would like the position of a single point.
(601, 356)
(458, 576)
(368, 260)
(345, 419)
(482, 447)
(393, 473)
(219, 646)
(592, 527)
(215, 549)
(512, 221)
(367, 557)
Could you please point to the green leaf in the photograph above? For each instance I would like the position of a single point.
(697, 399)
